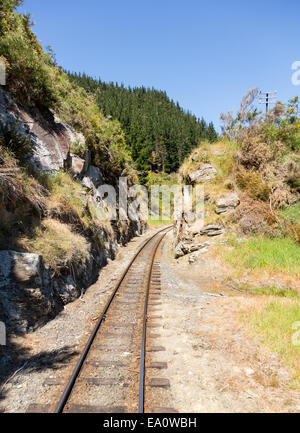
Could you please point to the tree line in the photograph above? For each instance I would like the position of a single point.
(159, 133)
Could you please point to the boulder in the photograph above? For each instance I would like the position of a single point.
(184, 248)
(226, 203)
(25, 301)
(212, 230)
(205, 173)
(179, 252)
(194, 257)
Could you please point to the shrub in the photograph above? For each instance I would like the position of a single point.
(253, 152)
(28, 68)
(15, 141)
(252, 182)
(66, 192)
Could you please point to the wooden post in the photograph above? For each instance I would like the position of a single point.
(267, 99)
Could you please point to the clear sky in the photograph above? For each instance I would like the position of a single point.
(205, 54)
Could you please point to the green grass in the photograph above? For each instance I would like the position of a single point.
(272, 291)
(292, 213)
(275, 325)
(155, 223)
(263, 253)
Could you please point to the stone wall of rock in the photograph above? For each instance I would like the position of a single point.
(192, 236)
(50, 138)
(30, 294)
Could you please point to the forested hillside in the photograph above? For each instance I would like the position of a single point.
(151, 122)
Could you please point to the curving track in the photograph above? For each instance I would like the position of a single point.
(110, 374)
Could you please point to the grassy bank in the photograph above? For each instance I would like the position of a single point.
(275, 324)
(263, 253)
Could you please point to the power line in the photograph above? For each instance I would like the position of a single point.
(267, 99)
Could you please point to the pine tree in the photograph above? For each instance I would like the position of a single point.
(153, 124)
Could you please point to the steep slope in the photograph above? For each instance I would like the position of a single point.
(56, 149)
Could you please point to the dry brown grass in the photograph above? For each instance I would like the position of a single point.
(58, 245)
(270, 321)
(17, 187)
(253, 183)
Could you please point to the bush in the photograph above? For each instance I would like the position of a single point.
(18, 188)
(66, 192)
(252, 182)
(14, 141)
(28, 73)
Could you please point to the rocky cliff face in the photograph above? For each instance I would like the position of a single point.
(196, 236)
(50, 138)
(246, 189)
(30, 291)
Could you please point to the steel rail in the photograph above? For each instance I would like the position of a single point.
(64, 398)
(143, 348)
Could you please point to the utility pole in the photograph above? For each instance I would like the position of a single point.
(267, 99)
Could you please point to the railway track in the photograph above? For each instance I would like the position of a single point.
(115, 372)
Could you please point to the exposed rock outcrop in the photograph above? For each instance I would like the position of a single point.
(30, 294)
(184, 248)
(50, 138)
(77, 165)
(26, 299)
(227, 203)
(194, 257)
(204, 174)
(95, 176)
(212, 230)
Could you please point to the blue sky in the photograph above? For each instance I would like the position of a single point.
(205, 54)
